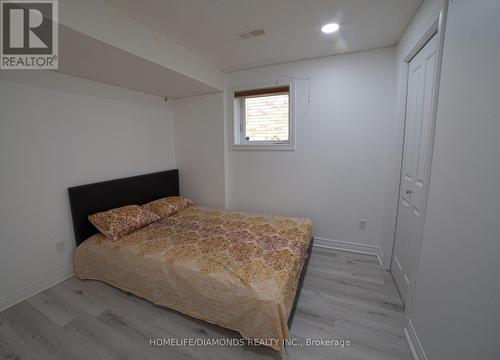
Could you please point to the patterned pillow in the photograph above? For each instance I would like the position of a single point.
(168, 206)
(118, 222)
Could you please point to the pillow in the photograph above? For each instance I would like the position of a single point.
(118, 222)
(168, 206)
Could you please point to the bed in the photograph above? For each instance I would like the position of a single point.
(236, 269)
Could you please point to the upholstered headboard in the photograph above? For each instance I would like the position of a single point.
(136, 190)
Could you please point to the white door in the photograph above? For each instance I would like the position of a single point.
(415, 167)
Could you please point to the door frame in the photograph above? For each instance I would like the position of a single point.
(437, 28)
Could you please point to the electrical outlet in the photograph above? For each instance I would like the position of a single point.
(60, 246)
(362, 224)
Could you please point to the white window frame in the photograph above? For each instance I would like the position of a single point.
(236, 110)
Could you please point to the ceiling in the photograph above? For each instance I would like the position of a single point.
(210, 28)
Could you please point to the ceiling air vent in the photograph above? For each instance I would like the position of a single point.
(251, 34)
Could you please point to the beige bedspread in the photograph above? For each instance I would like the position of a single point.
(235, 269)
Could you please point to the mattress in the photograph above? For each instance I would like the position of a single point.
(235, 269)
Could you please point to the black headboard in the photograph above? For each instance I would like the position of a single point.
(136, 190)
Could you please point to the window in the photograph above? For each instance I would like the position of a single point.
(263, 118)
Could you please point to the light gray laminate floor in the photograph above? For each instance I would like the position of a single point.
(345, 296)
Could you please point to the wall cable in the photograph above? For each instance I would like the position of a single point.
(293, 79)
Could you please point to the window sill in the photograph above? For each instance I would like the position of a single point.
(263, 147)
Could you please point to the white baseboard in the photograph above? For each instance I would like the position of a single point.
(415, 345)
(349, 246)
(35, 288)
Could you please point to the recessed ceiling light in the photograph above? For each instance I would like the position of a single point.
(330, 28)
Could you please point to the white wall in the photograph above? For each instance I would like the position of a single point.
(338, 172)
(425, 17)
(199, 146)
(58, 131)
(455, 310)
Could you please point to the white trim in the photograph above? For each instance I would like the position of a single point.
(429, 34)
(263, 147)
(35, 288)
(227, 159)
(416, 347)
(349, 246)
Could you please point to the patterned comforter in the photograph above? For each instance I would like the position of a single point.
(231, 268)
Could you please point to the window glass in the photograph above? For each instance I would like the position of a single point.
(267, 118)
